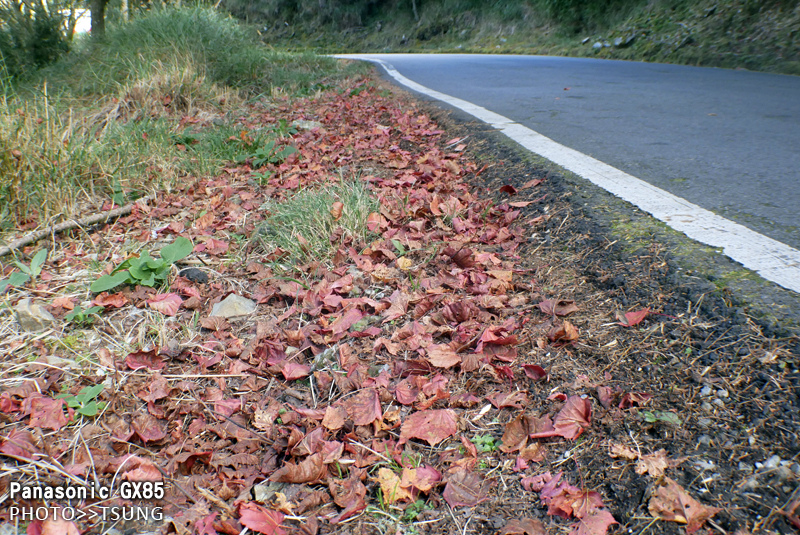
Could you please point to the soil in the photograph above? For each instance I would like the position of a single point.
(727, 369)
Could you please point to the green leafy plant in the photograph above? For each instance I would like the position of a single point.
(83, 317)
(269, 153)
(145, 270)
(85, 402)
(413, 510)
(660, 417)
(485, 443)
(27, 272)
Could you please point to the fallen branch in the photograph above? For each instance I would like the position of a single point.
(33, 237)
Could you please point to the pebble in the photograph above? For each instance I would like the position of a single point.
(704, 422)
(772, 462)
(706, 406)
(32, 317)
(233, 306)
(751, 441)
(784, 473)
(745, 467)
(796, 468)
(705, 440)
(706, 391)
(722, 393)
(718, 402)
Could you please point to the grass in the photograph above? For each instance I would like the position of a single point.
(110, 116)
(304, 228)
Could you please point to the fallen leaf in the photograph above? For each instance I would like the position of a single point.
(46, 412)
(364, 408)
(391, 487)
(310, 470)
(59, 526)
(572, 419)
(336, 210)
(653, 464)
(671, 502)
(423, 478)
(168, 304)
(107, 300)
(524, 526)
(534, 371)
(260, 519)
(558, 308)
(442, 356)
(508, 188)
(432, 426)
(619, 451)
(144, 359)
(148, 428)
(465, 488)
(292, 371)
(633, 318)
(596, 523)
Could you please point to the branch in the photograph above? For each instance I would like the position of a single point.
(33, 237)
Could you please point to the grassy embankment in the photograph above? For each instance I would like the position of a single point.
(756, 35)
(151, 105)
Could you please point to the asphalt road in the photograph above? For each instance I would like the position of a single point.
(728, 141)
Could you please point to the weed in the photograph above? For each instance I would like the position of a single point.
(144, 269)
(85, 402)
(664, 417)
(303, 226)
(485, 443)
(27, 272)
(83, 318)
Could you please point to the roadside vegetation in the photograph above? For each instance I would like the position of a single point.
(752, 34)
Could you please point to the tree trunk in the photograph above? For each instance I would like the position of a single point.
(414, 8)
(98, 8)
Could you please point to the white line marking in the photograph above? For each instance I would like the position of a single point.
(773, 260)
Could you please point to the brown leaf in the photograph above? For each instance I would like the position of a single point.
(572, 419)
(107, 300)
(563, 333)
(432, 426)
(391, 487)
(465, 488)
(59, 526)
(365, 407)
(523, 526)
(653, 464)
(423, 478)
(348, 494)
(534, 371)
(19, 443)
(292, 371)
(335, 417)
(671, 502)
(558, 308)
(442, 356)
(46, 412)
(336, 210)
(623, 452)
(144, 359)
(517, 399)
(148, 428)
(311, 470)
(508, 188)
(596, 523)
(516, 434)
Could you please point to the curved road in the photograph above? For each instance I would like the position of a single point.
(728, 141)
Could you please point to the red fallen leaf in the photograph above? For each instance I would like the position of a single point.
(671, 502)
(534, 371)
(423, 478)
(226, 407)
(633, 318)
(216, 247)
(520, 204)
(465, 488)
(214, 323)
(572, 419)
(442, 356)
(532, 183)
(292, 371)
(144, 359)
(63, 302)
(631, 399)
(365, 407)
(148, 428)
(559, 308)
(310, 470)
(168, 304)
(399, 305)
(432, 426)
(508, 188)
(517, 399)
(107, 300)
(261, 519)
(146, 471)
(59, 526)
(19, 443)
(46, 412)
(523, 526)
(462, 257)
(596, 523)
(335, 417)
(336, 210)
(346, 321)
(373, 221)
(563, 333)
(348, 494)
(406, 392)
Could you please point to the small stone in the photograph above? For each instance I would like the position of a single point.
(772, 462)
(759, 466)
(704, 422)
(706, 391)
(796, 468)
(306, 125)
(718, 402)
(233, 306)
(194, 275)
(745, 467)
(722, 393)
(750, 483)
(598, 45)
(290, 350)
(751, 441)
(704, 440)
(707, 407)
(703, 464)
(585, 40)
(32, 317)
(784, 473)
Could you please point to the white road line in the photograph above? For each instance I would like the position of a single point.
(773, 260)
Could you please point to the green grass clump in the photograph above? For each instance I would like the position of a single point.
(106, 118)
(302, 226)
